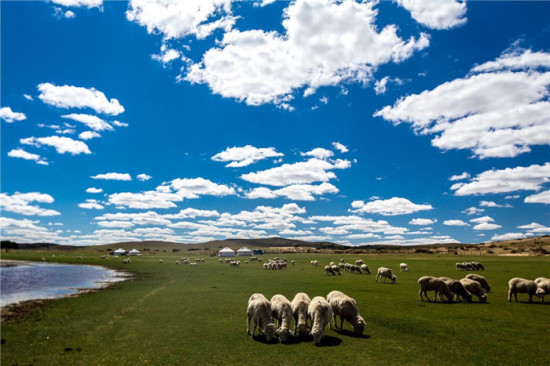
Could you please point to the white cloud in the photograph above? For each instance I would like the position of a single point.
(542, 197)
(508, 236)
(356, 223)
(10, 116)
(93, 122)
(69, 14)
(25, 231)
(339, 44)
(486, 226)
(94, 190)
(493, 114)
(143, 177)
(459, 177)
(313, 170)
(195, 187)
(19, 203)
(483, 219)
(110, 224)
(22, 154)
(28, 97)
(298, 192)
(507, 180)
(113, 176)
(516, 60)
(357, 204)
(492, 204)
(120, 124)
(88, 135)
(244, 156)
(91, 204)
(455, 223)
(392, 206)
(473, 211)
(535, 228)
(142, 218)
(422, 222)
(178, 19)
(319, 153)
(440, 14)
(340, 147)
(192, 213)
(61, 144)
(67, 96)
(166, 55)
(80, 3)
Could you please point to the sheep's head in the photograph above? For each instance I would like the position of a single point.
(487, 287)
(317, 336)
(541, 293)
(359, 326)
(302, 329)
(283, 333)
(270, 331)
(393, 278)
(483, 298)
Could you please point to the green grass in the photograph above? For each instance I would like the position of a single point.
(173, 314)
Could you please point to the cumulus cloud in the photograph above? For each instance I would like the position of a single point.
(94, 190)
(297, 192)
(243, 156)
(61, 144)
(67, 96)
(79, 3)
(166, 55)
(192, 213)
(88, 135)
(500, 112)
(91, 204)
(529, 178)
(356, 223)
(485, 223)
(26, 231)
(393, 206)
(441, 14)
(340, 44)
(542, 197)
(143, 177)
(340, 147)
(113, 176)
(455, 223)
(422, 222)
(473, 211)
(535, 228)
(492, 204)
(22, 154)
(459, 177)
(508, 236)
(10, 116)
(93, 122)
(318, 153)
(141, 219)
(20, 203)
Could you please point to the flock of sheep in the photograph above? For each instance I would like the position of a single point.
(319, 311)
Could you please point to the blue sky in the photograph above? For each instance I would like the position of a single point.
(399, 122)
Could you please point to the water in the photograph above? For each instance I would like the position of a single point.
(31, 280)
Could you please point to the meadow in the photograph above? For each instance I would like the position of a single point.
(169, 314)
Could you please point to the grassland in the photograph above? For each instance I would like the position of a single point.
(173, 314)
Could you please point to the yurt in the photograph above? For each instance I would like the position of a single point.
(119, 251)
(226, 252)
(244, 251)
(133, 252)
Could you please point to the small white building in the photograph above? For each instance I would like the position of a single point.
(133, 252)
(119, 251)
(226, 252)
(244, 251)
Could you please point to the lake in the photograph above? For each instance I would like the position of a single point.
(21, 281)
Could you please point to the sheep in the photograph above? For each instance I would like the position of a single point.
(292, 262)
(403, 267)
(266, 265)
(461, 266)
(482, 281)
(341, 265)
(543, 289)
(359, 262)
(354, 268)
(540, 279)
(479, 265)
(523, 286)
(320, 312)
(178, 262)
(346, 308)
(193, 264)
(299, 305)
(281, 309)
(457, 288)
(384, 273)
(474, 288)
(259, 309)
(332, 264)
(315, 263)
(329, 271)
(160, 261)
(430, 283)
(126, 260)
(336, 269)
(365, 269)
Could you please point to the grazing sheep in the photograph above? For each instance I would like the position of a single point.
(126, 261)
(259, 310)
(461, 266)
(403, 267)
(341, 265)
(266, 265)
(355, 268)
(384, 273)
(315, 263)
(430, 283)
(300, 304)
(523, 286)
(359, 262)
(331, 264)
(474, 288)
(457, 288)
(193, 264)
(346, 308)
(365, 269)
(540, 279)
(336, 269)
(292, 262)
(281, 309)
(329, 271)
(543, 289)
(479, 265)
(178, 262)
(320, 312)
(482, 281)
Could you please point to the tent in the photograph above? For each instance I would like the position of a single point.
(244, 251)
(133, 252)
(119, 251)
(226, 252)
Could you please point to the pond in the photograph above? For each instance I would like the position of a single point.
(21, 281)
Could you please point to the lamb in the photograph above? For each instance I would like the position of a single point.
(474, 288)
(281, 309)
(336, 269)
(430, 283)
(346, 308)
(403, 267)
(365, 269)
(457, 288)
(482, 281)
(543, 289)
(320, 312)
(259, 309)
(523, 286)
(300, 304)
(384, 273)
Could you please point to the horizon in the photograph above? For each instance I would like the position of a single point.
(375, 123)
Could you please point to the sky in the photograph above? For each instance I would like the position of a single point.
(392, 122)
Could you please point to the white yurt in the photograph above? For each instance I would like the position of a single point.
(226, 252)
(133, 252)
(119, 251)
(244, 251)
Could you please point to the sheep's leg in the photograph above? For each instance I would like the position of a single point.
(254, 327)
(530, 297)
(510, 295)
(247, 324)
(420, 294)
(295, 324)
(341, 323)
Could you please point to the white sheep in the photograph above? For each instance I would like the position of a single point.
(160, 261)
(259, 310)
(457, 288)
(365, 269)
(320, 312)
(336, 269)
(482, 281)
(281, 309)
(300, 304)
(430, 283)
(178, 262)
(474, 288)
(461, 266)
(329, 271)
(403, 267)
(346, 308)
(523, 286)
(292, 262)
(359, 262)
(384, 273)
(543, 289)
(126, 260)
